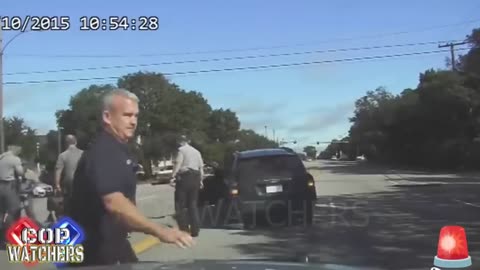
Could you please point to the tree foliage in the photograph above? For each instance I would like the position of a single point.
(82, 118)
(17, 132)
(310, 151)
(166, 112)
(49, 150)
(435, 125)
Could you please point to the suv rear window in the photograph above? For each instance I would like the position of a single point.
(269, 167)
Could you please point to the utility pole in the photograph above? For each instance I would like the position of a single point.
(59, 132)
(273, 134)
(452, 51)
(266, 134)
(2, 133)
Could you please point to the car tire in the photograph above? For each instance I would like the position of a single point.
(309, 213)
(248, 221)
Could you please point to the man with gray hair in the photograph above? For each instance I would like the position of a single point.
(188, 174)
(65, 168)
(11, 170)
(103, 201)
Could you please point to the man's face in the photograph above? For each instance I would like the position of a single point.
(122, 117)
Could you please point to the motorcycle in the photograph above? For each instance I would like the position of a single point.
(28, 190)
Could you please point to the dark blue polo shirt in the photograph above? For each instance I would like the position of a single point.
(106, 167)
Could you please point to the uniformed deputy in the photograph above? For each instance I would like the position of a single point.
(105, 185)
(188, 175)
(65, 169)
(11, 170)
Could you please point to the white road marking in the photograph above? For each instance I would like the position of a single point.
(467, 203)
(462, 183)
(332, 205)
(423, 183)
(147, 197)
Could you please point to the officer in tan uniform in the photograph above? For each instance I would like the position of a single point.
(11, 170)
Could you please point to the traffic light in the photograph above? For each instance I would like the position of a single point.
(318, 143)
(294, 142)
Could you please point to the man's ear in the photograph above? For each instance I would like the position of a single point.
(106, 116)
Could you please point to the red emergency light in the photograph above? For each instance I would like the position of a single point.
(452, 250)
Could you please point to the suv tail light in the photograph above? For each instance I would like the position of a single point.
(234, 192)
(311, 183)
(310, 180)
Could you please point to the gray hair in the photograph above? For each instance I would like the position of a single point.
(70, 139)
(15, 149)
(183, 139)
(108, 98)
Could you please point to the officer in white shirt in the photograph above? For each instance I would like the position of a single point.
(188, 174)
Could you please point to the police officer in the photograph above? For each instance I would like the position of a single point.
(188, 174)
(11, 170)
(65, 169)
(104, 188)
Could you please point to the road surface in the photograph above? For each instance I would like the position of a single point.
(365, 216)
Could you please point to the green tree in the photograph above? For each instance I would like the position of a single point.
(82, 118)
(310, 151)
(223, 125)
(17, 132)
(435, 125)
(49, 151)
(164, 106)
(166, 111)
(470, 63)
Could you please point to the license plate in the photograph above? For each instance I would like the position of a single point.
(274, 189)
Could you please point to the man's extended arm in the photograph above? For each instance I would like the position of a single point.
(121, 207)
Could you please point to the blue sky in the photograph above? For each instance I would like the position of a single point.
(308, 104)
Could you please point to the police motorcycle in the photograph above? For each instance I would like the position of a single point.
(28, 189)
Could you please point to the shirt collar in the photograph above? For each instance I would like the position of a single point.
(111, 138)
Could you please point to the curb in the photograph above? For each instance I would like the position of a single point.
(145, 244)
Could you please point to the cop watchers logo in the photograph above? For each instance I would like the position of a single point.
(452, 250)
(29, 244)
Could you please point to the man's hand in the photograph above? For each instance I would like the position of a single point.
(175, 236)
(58, 190)
(201, 184)
(172, 181)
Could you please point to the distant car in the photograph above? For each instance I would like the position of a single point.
(261, 179)
(42, 190)
(35, 188)
(361, 158)
(163, 174)
(140, 172)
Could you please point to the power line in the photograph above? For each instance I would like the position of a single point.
(252, 48)
(228, 58)
(260, 67)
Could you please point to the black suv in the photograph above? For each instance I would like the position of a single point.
(262, 180)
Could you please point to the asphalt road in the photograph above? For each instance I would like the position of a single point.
(365, 216)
